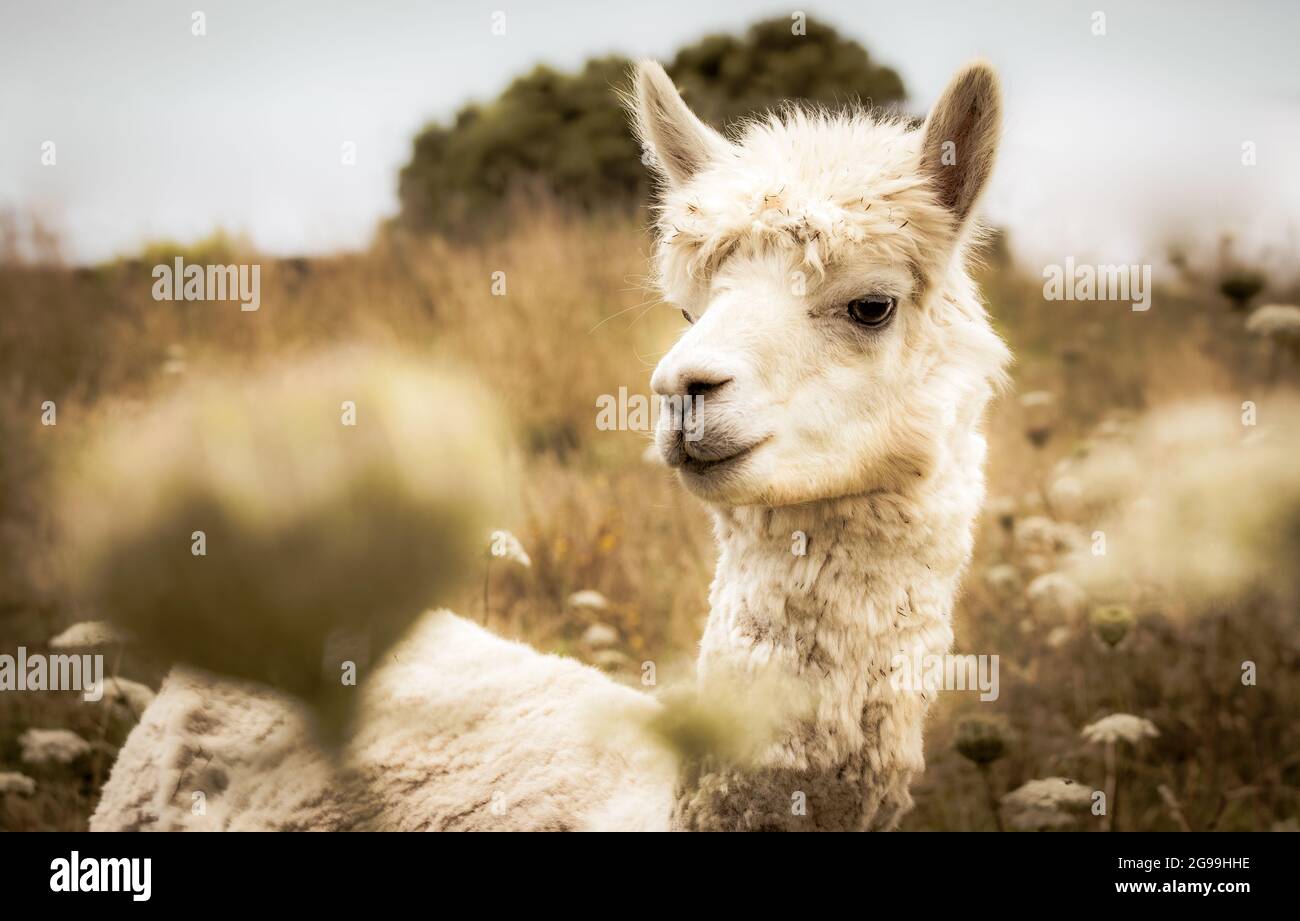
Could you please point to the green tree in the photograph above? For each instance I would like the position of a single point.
(725, 77)
(566, 134)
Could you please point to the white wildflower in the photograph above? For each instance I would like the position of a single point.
(600, 636)
(1055, 596)
(1181, 532)
(52, 746)
(1041, 535)
(1035, 534)
(1066, 493)
(1276, 321)
(90, 634)
(1037, 399)
(267, 465)
(1050, 793)
(589, 599)
(1036, 563)
(1051, 802)
(611, 660)
(135, 696)
(13, 782)
(1058, 637)
(1003, 579)
(507, 546)
(1119, 727)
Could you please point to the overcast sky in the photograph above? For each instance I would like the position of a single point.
(1113, 142)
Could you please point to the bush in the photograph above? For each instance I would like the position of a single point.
(566, 134)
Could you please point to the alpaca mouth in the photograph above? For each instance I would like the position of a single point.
(701, 467)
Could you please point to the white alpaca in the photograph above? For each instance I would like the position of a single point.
(844, 362)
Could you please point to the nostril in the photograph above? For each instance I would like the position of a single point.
(699, 388)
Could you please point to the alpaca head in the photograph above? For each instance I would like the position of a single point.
(836, 345)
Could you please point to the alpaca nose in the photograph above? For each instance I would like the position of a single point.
(702, 386)
(687, 381)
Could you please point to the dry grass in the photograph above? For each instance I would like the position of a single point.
(577, 322)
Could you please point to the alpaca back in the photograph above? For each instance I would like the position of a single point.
(459, 730)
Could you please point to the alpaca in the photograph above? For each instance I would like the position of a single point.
(841, 363)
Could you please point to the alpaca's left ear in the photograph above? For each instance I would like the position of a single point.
(681, 143)
(961, 138)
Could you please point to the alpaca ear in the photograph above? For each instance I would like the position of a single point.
(961, 138)
(680, 142)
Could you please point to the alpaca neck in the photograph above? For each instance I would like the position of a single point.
(813, 603)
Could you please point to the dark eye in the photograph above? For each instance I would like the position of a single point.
(688, 317)
(873, 311)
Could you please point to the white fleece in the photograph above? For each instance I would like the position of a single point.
(461, 730)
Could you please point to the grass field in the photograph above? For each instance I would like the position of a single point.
(576, 321)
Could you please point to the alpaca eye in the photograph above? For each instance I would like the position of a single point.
(873, 311)
(688, 318)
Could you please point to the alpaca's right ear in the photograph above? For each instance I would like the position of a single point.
(680, 143)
